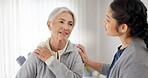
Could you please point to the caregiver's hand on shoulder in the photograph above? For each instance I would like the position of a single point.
(42, 53)
(83, 54)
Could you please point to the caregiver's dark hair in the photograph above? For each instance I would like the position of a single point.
(134, 14)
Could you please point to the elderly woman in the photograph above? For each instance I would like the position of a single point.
(57, 57)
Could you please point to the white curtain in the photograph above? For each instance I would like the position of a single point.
(23, 26)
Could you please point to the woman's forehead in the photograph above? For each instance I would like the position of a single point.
(109, 13)
(65, 16)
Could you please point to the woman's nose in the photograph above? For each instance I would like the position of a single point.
(104, 22)
(65, 27)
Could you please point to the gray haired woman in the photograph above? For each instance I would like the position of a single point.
(57, 57)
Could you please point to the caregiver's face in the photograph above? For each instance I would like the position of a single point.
(62, 26)
(110, 24)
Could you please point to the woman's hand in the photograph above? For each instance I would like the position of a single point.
(95, 65)
(42, 53)
(83, 54)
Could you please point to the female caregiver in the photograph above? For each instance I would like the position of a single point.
(126, 19)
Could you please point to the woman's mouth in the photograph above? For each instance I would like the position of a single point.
(105, 28)
(63, 33)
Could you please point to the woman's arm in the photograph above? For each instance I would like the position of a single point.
(28, 69)
(95, 65)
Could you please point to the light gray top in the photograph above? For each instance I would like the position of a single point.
(70, 66)
(133, 63)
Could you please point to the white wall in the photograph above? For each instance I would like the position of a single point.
(91, 24)
(146, 4)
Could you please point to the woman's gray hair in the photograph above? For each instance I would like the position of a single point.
(58, 11)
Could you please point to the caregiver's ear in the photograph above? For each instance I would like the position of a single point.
(48, 24)
(123, 28)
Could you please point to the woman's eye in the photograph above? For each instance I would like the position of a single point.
(71, 24)
(61, 22)
(108, 20)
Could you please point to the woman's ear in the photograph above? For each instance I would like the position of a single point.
(48, 24)
(123, 28)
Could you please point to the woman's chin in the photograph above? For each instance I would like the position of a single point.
(63, 38)
(106, 33)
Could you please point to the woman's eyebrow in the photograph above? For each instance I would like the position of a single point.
(71, 21)
(62, 19)
(108, 16)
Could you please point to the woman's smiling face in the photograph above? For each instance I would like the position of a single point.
(62, 26)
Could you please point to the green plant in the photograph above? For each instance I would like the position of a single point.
(86, 68)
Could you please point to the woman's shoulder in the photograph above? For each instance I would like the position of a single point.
(33, 59)
(136, 53)
(71, 47)
(137, 47)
